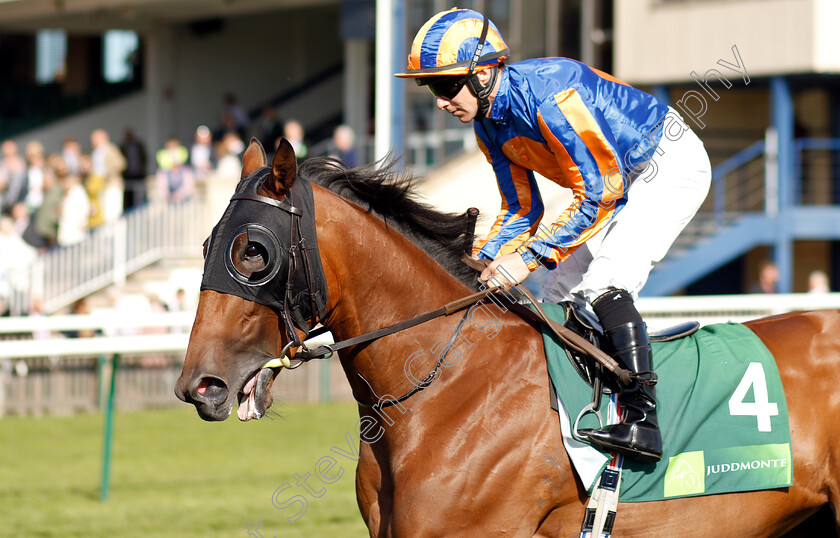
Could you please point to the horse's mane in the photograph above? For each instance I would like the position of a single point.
(390, 195)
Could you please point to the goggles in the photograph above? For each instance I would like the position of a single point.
(446, 86)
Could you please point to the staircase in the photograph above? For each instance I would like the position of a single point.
(751, 203)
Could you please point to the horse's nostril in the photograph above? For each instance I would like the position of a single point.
(211, 389)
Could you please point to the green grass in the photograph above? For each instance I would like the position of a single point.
(173, 474)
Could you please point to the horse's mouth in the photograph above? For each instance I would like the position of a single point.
(255, 397)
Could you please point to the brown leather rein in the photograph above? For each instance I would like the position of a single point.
(538, 315)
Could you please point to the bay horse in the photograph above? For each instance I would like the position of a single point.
(479, 452)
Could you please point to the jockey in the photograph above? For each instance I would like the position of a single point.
(638, 175)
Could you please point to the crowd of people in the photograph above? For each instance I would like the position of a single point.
(55, 196)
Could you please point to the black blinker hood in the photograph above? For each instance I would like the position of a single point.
(284, 231)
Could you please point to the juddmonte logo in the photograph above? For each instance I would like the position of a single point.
(746, 466)
(726, 470)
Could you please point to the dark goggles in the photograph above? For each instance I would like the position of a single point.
(444, 86)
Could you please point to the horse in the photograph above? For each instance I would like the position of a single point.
(479, 451)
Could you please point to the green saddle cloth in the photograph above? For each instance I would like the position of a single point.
(721, 409)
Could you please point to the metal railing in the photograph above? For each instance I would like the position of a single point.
(112, 251)
(749, 181)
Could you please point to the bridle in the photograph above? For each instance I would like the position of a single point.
(298, 291)
(298, 257)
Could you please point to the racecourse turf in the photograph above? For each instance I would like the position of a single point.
(173, 474)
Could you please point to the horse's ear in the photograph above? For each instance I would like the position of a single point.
(283, 168)
(253, 159)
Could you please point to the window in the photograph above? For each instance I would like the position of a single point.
(50, 55)
(120, 50)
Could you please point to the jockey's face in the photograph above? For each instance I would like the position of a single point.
(464, 105)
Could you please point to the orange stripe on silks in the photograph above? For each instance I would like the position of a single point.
(574, 179)
(523, 195)
(484, 149)
(581, 120)
(603, 217)
(514, 244)
(523, 190)
(543, 160)
(607, 76)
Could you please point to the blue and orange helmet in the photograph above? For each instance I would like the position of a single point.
(450, 44)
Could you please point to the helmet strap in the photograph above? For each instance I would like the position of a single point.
(482, 92)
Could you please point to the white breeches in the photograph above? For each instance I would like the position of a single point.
(659, 205)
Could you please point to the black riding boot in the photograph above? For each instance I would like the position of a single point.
(637, 435)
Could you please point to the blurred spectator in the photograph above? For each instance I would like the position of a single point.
(202, 159)
(236, 115)
(94, 185)
(74, 211)
(768, 278)
(345, 145)
(267, 129)
(46, 217)
(175, 179)
(20, 218)
(13, 177)
(71, 152)
(180, 302)
(134, 152)
(36, 161)
(818, 282)
(81, 308)
(230, 160)
(108, 163)
(15, 258)
(294, 133)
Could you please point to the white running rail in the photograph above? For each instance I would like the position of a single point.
(111, 252)
(663, 312)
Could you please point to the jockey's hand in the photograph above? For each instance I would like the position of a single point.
(506, 271)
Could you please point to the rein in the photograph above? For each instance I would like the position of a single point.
(567, 336)
(324, 352)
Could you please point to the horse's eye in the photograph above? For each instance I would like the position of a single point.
(252, 251)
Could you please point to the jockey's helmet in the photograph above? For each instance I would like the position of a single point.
(449, 48)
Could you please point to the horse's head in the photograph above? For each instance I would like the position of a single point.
(246, 313)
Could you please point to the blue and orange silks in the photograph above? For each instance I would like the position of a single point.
(581, 128)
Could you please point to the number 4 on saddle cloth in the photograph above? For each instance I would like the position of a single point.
(721, 410)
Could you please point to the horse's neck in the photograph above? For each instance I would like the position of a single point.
(490, 394)
(376, 278)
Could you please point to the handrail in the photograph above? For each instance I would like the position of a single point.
(757, 150)
(738, 160)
